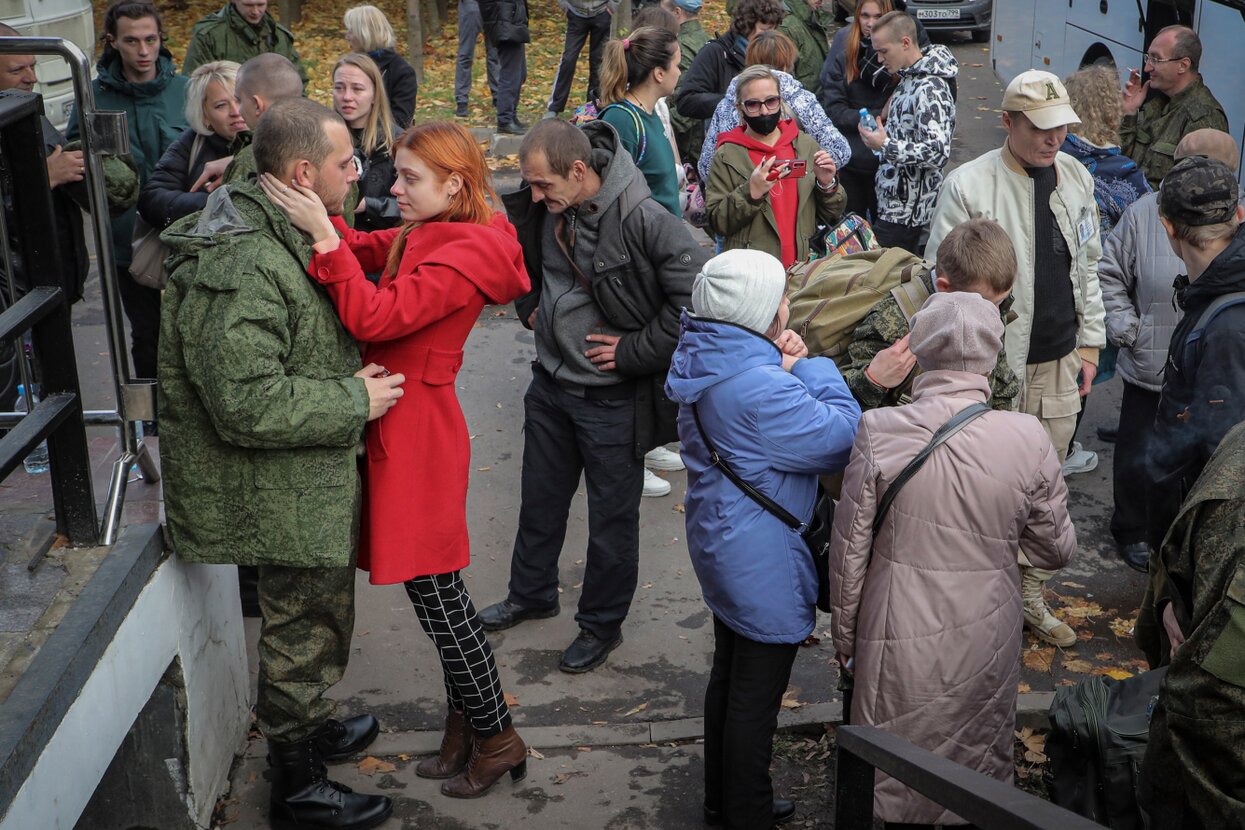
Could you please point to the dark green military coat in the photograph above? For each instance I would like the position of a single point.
(689, 133)
(1150, 137)
(226, 36)
(1197, 738)
(885, 325)
(259, 411)
(807, 28)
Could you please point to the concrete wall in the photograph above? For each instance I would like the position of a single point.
(185, 612)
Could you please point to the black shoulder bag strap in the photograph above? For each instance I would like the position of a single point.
(957, 423)
(751, 492)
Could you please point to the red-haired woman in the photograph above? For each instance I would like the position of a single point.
(452, 255)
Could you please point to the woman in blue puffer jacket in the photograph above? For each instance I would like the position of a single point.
(778, 420)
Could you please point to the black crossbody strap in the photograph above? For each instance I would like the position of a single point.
(751, 492)
(961, 419)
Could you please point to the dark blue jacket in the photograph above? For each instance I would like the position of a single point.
(778, 430)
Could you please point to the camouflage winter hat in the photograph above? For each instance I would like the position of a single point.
(1199, 191)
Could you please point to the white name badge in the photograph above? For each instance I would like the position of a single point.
(1084, 226)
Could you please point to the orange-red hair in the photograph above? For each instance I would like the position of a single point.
(852, 53)
(448, 148)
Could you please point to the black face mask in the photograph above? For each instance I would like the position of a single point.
(763, 124)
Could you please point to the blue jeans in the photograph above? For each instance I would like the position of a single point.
(469, 28)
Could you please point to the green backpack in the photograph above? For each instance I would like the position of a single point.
(829, 297)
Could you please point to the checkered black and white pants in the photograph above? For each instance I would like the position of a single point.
(471, 683)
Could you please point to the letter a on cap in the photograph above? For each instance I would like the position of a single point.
(1051, 94)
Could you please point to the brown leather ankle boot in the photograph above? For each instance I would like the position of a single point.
(491, 757)
(455, 749)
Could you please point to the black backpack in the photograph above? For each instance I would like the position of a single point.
(1099, 731)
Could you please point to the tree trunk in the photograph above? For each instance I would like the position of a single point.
(432, 19)
(443, 11)
(291, 12)
(621, 21)
(415, 38)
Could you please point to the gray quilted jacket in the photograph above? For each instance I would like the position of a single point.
(1136, 273)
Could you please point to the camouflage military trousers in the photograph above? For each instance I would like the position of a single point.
(304, 644)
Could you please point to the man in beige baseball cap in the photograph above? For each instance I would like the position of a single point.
(1044, 199)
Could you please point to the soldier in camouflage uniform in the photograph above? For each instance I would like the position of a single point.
(262, 404)
(689, 133)
(976, 256)
(239, 32)
(1152, 129)
(1193, 617)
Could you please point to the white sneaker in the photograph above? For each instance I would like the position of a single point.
(654, 485)
(663, 459)
(1080, 460)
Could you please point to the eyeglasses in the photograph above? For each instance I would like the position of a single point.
(1155, 60)
(753, 106)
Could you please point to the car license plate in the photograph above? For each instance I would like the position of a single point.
(938, 14)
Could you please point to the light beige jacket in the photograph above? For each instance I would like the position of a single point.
(996, 187)
(930, 610)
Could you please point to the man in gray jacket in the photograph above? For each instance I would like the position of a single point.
(611, 272)
(1136, 273)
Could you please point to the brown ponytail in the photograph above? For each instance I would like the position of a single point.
(630, 61)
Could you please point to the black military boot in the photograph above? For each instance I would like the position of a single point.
(303, 797)
(338, 740)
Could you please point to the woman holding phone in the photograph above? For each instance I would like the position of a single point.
(453, 254)
(770, 185)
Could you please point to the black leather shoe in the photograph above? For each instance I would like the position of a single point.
(784, 811)
(587, 652)
(303, 797)
(511, 128)
(338, 740)
(506, 614)
(1135, 556)
(1107, 435)
(460, 111)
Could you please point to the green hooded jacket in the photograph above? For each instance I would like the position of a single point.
(260, 412)
(807, 28)
(1150, 137)
(226, 36)
(154, 112)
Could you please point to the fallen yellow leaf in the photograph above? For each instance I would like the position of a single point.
(372, 765)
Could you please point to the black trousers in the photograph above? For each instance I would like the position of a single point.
(142, 309)
(471, 684)
(862, 198)
(894, 235)
(742, 701)
(595, 30)
(511, 74)
(1128, 471)
(563, 436)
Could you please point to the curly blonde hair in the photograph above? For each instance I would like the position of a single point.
(1095, 95)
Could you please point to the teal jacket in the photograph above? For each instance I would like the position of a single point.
(260, 412)
(154, 112)
(226, 36)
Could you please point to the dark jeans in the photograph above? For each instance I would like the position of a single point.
(595, 30)
(564, 436)
(511, 73)
(741, 713)
(862, 198)
(469, 28)
(142, 309)
(894, 235)
(1128, 471)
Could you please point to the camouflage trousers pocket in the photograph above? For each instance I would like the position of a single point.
(1226, 657)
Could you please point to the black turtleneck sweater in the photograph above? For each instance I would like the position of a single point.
(1054, 310)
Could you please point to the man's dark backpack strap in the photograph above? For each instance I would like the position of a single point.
(961, 419)
(1193, 343)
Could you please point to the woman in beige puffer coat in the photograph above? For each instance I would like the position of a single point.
(930, 610)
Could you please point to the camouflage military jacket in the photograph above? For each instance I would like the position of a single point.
(689, 133)
(259, 411)
(1201, 572)
(1150, 137)
(226, 36)
(885, 325)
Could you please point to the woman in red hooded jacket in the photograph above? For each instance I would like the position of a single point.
(452, 255)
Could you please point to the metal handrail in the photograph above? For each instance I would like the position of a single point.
(985, 802)
(102, 132)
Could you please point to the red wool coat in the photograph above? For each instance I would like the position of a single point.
(415, 323)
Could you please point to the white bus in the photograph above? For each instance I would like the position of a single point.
(69, 19)
(1061, 36)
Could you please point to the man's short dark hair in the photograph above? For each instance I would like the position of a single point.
(290, 130)
(901, 25)
(751, 12)
(270, 76)
(562, 143)
(1188, 45)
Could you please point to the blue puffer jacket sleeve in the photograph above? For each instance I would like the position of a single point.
(809, 425)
